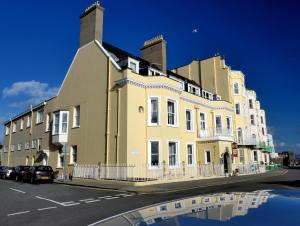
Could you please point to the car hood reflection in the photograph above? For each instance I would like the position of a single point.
(218, 207)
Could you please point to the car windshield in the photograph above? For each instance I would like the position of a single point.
(44, 168)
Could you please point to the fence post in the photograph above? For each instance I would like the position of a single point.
(164, 168)
(99, 170)
(183, 168)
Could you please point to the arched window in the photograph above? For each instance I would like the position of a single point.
(236, 88)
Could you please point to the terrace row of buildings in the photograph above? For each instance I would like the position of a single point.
(119, 110)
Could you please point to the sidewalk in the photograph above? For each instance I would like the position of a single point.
(166, 187)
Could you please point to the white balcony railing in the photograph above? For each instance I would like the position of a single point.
(216, 134)
(247, 141)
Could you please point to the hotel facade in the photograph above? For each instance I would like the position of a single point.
(120, 116)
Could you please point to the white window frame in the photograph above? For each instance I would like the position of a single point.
(176, 113)
(149, 154)
(5, 150)
(193, 154)
(136, 62)
(252, 120)
(218, 129)
(48, 122)
(60, 123)
(14, 127)
(76, 116)
(40, 119)
(34, 144)
(27, 145)
(12, 147)
(197, 89)
(205, 157)
(150, 110)
(177, 145)
(19, 148)
(230, 123)
(22, 124)
(242, 135)
(191, 121)
(59, 163)
(72, 153)
(236, 88)
(29, 118)
(39, 143)
(235, 109)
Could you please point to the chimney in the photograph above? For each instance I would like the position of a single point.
(154, 51)
(91, 24)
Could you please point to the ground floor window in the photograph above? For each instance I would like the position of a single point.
(73, 154)
(173, 153)
(207, 157)
(241, 153)
(255, 157)
(154, 153)
(190, 152)
(60, 160)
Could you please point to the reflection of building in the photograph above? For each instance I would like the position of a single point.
(220, 207)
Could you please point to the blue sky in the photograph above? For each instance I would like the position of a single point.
(261, 38)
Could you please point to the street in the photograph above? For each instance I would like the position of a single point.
(58, 204)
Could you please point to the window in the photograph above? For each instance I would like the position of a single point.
(163, 208)
(14, 127)
(194, 90)
(154, 110)
(5, 148)
(202, 121)
(241, 152)
(250, 103)
(39, 143)
(27, 143)
(64, 122)
(28, 121)
(56, 123)
(60, 160)
(218, 124)
(73, 154)
(7, 128)
(76, 116)
(177, 205)
(22, 124)
(240, 135)
(252, 120)
(34, 144)
(12, 147)
(190, 154)
(173, 154)
(228, 124)
(40, 116)
(172, 113)
(48, 119)
(207, 157)
(236, 88)
(237, 109)
(154, 153)
(133, 64)
(263, 131)
(19, 148)
(255, 157)
(194, 201)
(189, 120)
(262, 120)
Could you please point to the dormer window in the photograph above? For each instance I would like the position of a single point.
(194, 90)
(134, 65)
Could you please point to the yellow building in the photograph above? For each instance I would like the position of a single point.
(120, 116)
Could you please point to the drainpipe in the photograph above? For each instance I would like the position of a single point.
(197, 132)
(9, 143)
(107, 111)
(118, 125)
(31, 113)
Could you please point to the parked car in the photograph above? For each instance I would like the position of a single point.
(39, 173)
(6, 172)
(19, 172)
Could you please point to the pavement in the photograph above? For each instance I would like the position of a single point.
(62, 204)
(167, 186)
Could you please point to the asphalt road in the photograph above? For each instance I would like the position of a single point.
(57, 204)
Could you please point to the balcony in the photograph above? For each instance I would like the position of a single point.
(60, 127)
(246, 141)
(213, 134)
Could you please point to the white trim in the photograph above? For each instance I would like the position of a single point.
(201, 131)
(176, 107)
(192, 119)
(149, 110)
(136, 62)
(149, 154)
(107, 54)
(177, 164)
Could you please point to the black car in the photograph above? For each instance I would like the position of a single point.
(19, 172)
(6, 172)
(39, 173)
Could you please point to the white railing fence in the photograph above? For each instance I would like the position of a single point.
(143, 172)
(251, 169)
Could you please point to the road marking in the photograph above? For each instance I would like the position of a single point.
(47, 208)
(112, 198)
(23, 192)
(104, 197)
(70, 203)
(95, 200)
(127, 195)
(84, 200)
(18, 213)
